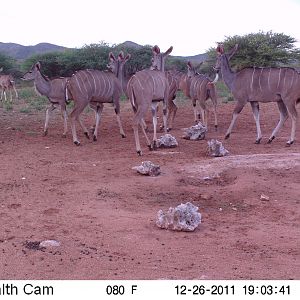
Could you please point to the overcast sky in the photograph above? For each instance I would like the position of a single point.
(190, 26)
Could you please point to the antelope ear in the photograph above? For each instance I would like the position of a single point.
(38, 65)
(121, 55)
(156, 49)
(127, 57)
(168, 51)
(111, 56)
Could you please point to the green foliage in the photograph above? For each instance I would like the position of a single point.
(175, 64)
(140, 58)
(259, 49)
(32, 100)
(8, 64)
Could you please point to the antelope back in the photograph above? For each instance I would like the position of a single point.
(148, 84)
(94, 85)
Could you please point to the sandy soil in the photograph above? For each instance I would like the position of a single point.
(103, 213)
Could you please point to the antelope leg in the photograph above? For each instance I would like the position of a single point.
(50, 108)
(255, 111)
(283, 117)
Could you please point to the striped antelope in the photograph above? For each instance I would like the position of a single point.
(7, 84)
(147, 88)
(201, 88)
(158, 63)
(280, 85)
(95, 88)
(53, 89)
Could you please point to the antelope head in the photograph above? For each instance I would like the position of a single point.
(192, 71)
(115, 65)
(32, 73)
(158, 58)
(223, 57)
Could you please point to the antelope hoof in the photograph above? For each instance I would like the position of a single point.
(94, 138)
(169, 129)
(77, 143)
(87, 135)
(64, 135)
(258, 141)
(45, 132)
(139, 152)
(216, 127)
(123, 136)
(271, 139)
(289, 143)
(227, 136)
(154, 146)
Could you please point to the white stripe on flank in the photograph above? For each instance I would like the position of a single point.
(279, 77)
(259, 79)
(83, 83)
(102, 92)
(78, 85)
(88, 81)
(292, 79)
(269, 80)
(251, 86)
(109, 91)
(91, 74)
(284, 79)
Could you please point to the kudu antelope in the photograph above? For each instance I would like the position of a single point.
(7, 83)
(53, 89)
(95, 88)
(280, 85)
(200, 88)
(158, 63)
(147, 88)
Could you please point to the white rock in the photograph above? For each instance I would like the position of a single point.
(215, 148)
(196, 132)
(148, 168)
(184, 217)
(49, 243)
(167, 141)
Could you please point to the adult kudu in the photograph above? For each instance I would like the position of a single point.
(147, 88)
(200, 88)
(280, 85)
(53, 89)
(158, 63)
(95, 88)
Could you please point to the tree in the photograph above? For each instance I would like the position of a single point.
(259, 49)
(8, 65)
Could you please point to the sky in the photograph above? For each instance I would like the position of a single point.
(190, 26)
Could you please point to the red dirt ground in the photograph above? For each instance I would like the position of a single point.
(103, 213)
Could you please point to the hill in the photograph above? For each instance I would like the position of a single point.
(21, 52)
(18, 51)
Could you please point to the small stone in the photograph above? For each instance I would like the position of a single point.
(264, 197)
(167, 141)
(184, 217)
(216, 149)
(49, 243)
(148, 168)
(196, 132)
